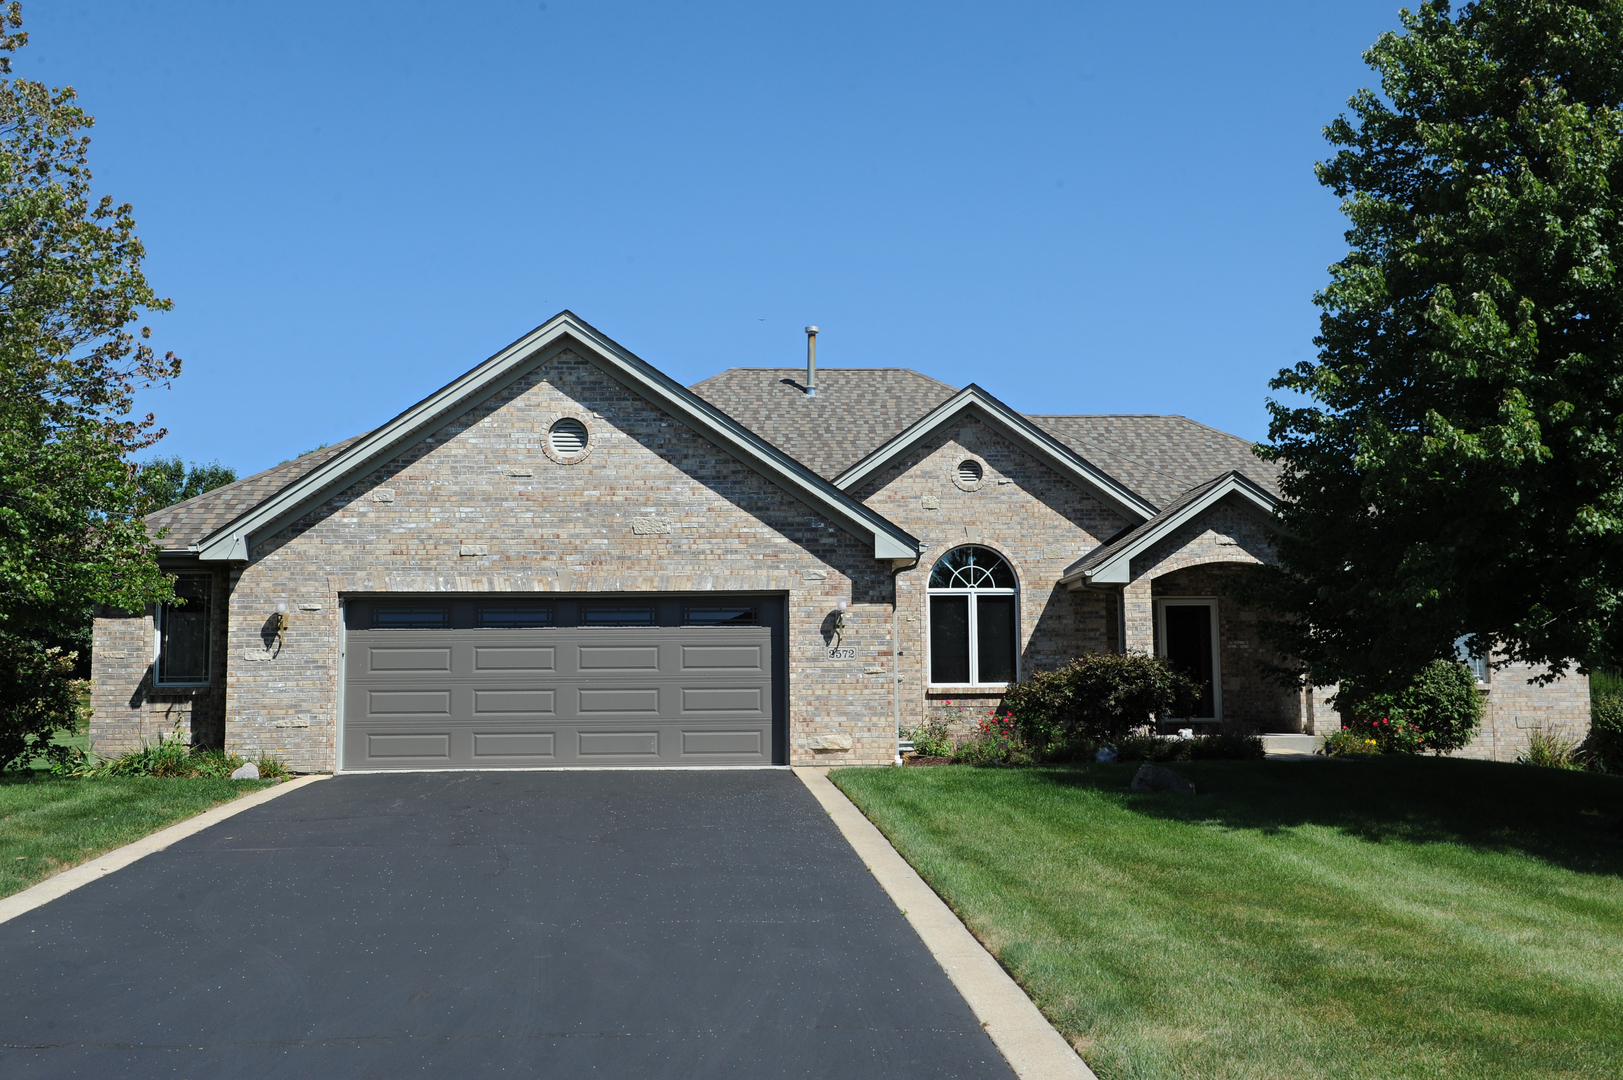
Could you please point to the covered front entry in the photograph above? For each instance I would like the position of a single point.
(502, 681)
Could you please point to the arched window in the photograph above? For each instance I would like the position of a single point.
(973, 618)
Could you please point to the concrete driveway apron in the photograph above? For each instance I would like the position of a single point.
(537, 924)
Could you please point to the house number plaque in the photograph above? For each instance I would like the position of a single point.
(847, 653)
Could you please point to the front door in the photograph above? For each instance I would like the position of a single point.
(1188, 634)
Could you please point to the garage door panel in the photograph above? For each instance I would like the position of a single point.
(724, 658)
(524, 702)
(408, 703)
(619, 745)
(573, 682)
(515, 658)
(616, 658)
(750, 700)
(394, 658)
(424, 745)
(618, 701)
(748, 743)
(509, 745)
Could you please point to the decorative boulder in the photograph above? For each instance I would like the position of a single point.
(1106, 755)
(250, 771)
(1160, 778)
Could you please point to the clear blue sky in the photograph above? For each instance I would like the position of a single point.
(1083, 207)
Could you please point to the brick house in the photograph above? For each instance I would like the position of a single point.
(563, 557)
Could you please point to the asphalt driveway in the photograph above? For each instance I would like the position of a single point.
(532, 924)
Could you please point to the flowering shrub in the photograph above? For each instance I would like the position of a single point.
(1439, 711)
(1350, 742)
(998, 740)
(932, 740)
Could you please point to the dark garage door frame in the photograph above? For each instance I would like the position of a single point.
(558, 680)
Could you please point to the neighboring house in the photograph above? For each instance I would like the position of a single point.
(564, 557)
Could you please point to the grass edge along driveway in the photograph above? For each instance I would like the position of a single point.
(1395, 917)
(49, 823)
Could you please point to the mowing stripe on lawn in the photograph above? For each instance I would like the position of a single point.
(1027, 1041)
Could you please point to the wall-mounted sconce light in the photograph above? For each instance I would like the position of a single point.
(839, 622)
(282, 622)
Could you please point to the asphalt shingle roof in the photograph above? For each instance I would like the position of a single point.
(190, 521)
(1160, 457)
(856, 411)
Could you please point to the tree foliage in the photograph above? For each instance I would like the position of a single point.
(1453, 460)
(71, 289)
(166, 481)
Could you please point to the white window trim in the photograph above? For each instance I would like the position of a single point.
(1210, 603)
(974, 628)
(157, 645)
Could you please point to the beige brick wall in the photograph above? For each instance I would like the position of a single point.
(1039, 536)
(484, 482)
(127, 710)
(1514, 709)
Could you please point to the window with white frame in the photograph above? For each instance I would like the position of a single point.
(1477, 664)
(974, 618)
(183, 633)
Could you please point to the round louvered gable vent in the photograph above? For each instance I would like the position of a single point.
(567, 437)
(969, 472)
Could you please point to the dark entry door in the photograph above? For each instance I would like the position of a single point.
(1189, 649)
(523, 682)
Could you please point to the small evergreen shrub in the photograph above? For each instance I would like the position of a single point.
(1097, 698)
(1604, 747)
(1439, 711)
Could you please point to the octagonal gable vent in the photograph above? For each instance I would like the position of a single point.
(969, 471)
(567, 436)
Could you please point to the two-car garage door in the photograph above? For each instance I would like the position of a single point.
(522, 682)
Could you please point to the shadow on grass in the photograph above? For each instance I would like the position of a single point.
(1571, 819)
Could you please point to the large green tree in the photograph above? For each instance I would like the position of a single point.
(1453, 460)
(71, 362)
(166, 481)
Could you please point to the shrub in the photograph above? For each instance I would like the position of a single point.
(1098, 698)
(1604, 747)
(38, 697)
(1224, 746)
(1550, 751)
(1347, 741)
(934, 739)
(272, 768)
(170, 756)
(997, 741)
(1440, 710)
(1227, 746)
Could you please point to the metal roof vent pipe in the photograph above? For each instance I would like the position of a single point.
(811, 361)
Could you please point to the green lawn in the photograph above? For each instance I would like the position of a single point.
(1394, 917)
(51, 823)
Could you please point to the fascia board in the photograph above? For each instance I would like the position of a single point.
(1010, 425)
(230, 543)
(1117, 570)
